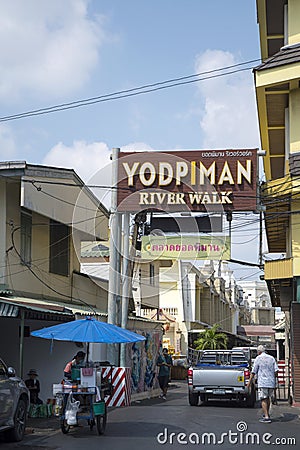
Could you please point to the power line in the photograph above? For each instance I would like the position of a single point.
(147, 88)
(70, 297)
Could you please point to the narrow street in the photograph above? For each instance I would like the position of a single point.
(150, 423)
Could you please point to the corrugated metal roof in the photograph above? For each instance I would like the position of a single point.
(99, 270)
(46, 307)
(287, 55)
(55, 306)
(8, 310)
(10, 307)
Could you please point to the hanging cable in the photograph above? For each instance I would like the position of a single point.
(147, 88)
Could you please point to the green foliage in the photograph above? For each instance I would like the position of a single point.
(212, 339)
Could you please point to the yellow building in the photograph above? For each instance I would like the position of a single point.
(192, 299)
(45, 213)
(277, 82)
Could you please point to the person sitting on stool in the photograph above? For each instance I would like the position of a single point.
(33, 385)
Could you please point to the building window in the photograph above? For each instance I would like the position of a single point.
(26, 230)
(59, 248)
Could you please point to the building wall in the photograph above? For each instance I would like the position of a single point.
(253, 291)
(295, 349)
(295, 234)
(263, 316)
(142, 358)
(293, 22)
(19, 275)
(145, 284)
(90, 290)
(49, 360)
(43, 284)
(208, 303)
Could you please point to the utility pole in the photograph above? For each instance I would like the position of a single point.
(114, 270)
(126, 280)
(260, 238)
(185, 295)
(3, 233)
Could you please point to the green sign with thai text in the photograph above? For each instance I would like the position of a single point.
(186, 247)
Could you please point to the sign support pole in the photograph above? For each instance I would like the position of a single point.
(125, 282)
(114, 275)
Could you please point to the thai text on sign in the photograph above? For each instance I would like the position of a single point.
(186, 247)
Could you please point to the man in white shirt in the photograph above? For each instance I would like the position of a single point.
(266, 370)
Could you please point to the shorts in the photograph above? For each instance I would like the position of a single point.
(163, 381)
(265, 393)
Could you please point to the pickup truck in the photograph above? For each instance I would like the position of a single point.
(220, 374)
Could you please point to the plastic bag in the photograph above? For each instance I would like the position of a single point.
(71, 410)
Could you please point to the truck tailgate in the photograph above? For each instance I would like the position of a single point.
(214, 377)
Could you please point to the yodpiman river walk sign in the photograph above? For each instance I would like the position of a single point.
(194, 180)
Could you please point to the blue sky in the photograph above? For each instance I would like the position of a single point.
(60, 51)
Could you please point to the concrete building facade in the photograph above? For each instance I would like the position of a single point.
(278, 102)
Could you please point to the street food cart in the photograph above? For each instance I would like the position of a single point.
(83, 398)
(89, 402)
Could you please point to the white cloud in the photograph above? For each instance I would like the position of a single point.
(137, 147)
(91, 161)
(47, 48)
(229, 119)
(7, 144)
(86, 159)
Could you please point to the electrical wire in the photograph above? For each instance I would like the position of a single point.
(253, 221)
(42, 281)
(132, 92)
(237, 227)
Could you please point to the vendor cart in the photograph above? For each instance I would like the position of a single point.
(91, 400)
(92, 407)
(95, 413)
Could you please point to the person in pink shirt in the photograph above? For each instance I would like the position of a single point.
(76, 361)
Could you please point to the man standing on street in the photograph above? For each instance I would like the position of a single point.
(266, 370)
(164, 363)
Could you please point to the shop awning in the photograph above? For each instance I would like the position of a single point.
(12, 307)
(259, 330)
(53, 307)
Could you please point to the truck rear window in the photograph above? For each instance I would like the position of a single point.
(224, 359)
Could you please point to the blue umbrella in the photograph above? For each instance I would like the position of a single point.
(88, 330)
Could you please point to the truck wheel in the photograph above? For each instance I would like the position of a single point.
(203, 399)
(17, 432)
(193, 399)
